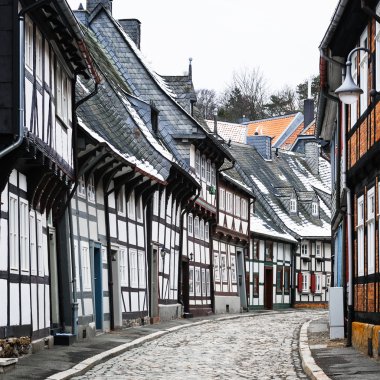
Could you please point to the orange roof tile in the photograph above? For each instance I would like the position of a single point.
(293, 137)
(273, 127)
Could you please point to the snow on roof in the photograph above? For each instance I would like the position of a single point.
(144, 166)
(230, 131)
(263, 189)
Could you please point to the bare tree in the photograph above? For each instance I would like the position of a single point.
(206, 102)
(282, 102)
(244, 96)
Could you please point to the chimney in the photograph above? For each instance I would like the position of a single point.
(308, 111)
(312, 156)
(263, 145)
(133, 28)
(91, 5)
(190, 69)
(215, 121)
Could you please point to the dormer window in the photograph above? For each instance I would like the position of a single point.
(293, 204)
(154, 118)
(314, 208)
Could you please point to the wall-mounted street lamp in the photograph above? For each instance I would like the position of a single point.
(162, 253)
(191, 256)
(349, 91)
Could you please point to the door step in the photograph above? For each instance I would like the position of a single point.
(187, 315)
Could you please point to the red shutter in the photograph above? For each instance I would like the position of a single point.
(313, 283)
(299, 282)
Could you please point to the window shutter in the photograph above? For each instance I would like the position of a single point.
(313, 283)
(299, 282)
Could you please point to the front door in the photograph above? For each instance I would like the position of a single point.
(185, 285)
(268, 288)
(54, 291)
(98, 294)
(154, 284)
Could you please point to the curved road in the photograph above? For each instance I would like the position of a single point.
(261, 346)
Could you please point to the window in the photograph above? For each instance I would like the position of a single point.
(256, 249)
(132, 205)
(196, 227)
(91, 189)
(293, 204)
(156, 202)
(305, 282)
(202, 229)
(197, 162)
(269, 251)
(29, 43)
(255, 284)
(213, 175)
(286, 279)
(314, 209)
(318, 249)
(120, 201)
(133, 261)
(222, 200)
(123, 267)
(228, 202)
(279, 271)
(141, 268)
(81, 187)
(216, 267)
(304, 249)
(63, 89)
(207, 232)
(224, 268)
(139, 210)
(190, 224)
(244, 209)
(371, 230)
(208, 171)
(203, 282)
(13, 232)
(360, 235)
(39, 54)
(191, 281)
(318, 283)
(364, 72)
(208, 282)
(354, 106)
(163, 204)
(86, 269)
(203, 167)
(33, 245)
(24, 235)
(237, 205)
(198, 281)
(41, 266)
(233, 269)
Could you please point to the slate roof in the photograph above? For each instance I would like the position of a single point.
(273, 182)
(147, 85)
(230, 131)
(301, 132)
(279, 128)
(111, 117)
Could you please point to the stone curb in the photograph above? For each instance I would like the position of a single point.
(311, 369)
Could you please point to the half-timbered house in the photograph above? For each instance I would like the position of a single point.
(294, 190)
(351, 127)
(43, 53)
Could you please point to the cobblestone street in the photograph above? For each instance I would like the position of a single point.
(255, 347)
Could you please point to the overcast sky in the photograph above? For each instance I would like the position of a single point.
(222, 36)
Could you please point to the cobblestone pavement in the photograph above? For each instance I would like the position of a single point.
(255, 347)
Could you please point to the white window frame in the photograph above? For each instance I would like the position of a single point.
(203, 167)
(222, 198)
(204, 292)
(40, 252)
(208, 172)
(364, 72)
(305, 249)
(29, 43)
(123, 265)
(134, 269)
(237, 205)
(91, 189)
(371, 236)
(81, 191)
(39, 54)
(86, 268)
(197, 281)
(207, 232)
(223, 267)
(202, 229)
(198, 162)
(318, 283)
(120, 202)
(156, 202)
(213, 175)
(190, 224)
(139, 210)
(141, 268)
(33, 243)
(233, 269)
(196, 227)
(191, 281)
(229, 202)
(293, 204)
(216, 267)
(244, 209)
(24, 235)
(13, 233)
(132, 205)
(208, 292)
(318, 249)
(360, 235)
(305, 282)
(314, 209)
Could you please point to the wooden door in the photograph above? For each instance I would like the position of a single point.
(268, 288)
(185, 285)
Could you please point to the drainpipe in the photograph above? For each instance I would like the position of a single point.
(349, 228)
(21, 78)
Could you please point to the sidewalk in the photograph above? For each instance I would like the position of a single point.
(324, 359)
